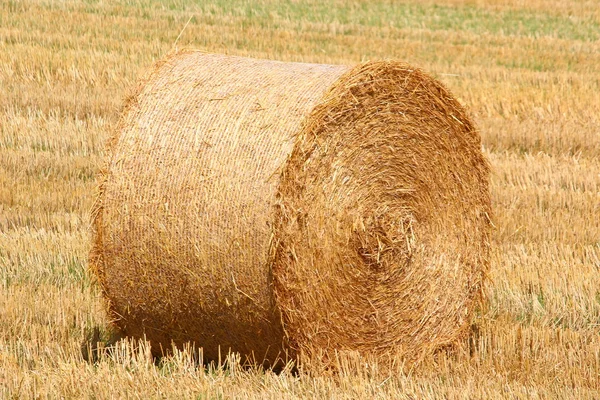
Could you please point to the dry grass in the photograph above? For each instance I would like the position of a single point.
(527, 71)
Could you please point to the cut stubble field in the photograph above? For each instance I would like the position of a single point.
(528, 73)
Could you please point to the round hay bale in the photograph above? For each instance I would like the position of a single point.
(274, 208)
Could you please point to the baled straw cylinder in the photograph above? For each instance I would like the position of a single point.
(269, 208)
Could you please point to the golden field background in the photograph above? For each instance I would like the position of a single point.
(529, 71)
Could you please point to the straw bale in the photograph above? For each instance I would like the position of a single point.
(274, 208)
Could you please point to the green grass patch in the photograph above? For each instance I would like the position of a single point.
(479, 20)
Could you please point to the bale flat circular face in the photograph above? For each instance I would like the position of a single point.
(276, 208)
(383, 218)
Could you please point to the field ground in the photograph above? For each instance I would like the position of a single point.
(529, 71)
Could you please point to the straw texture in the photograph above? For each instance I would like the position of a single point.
(276, 208)
(383, 220)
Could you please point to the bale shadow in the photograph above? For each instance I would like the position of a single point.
(102, 342)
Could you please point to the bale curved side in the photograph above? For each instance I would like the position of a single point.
(383, 218)
(182, 221)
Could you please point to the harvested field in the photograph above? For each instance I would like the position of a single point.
(526, 71)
